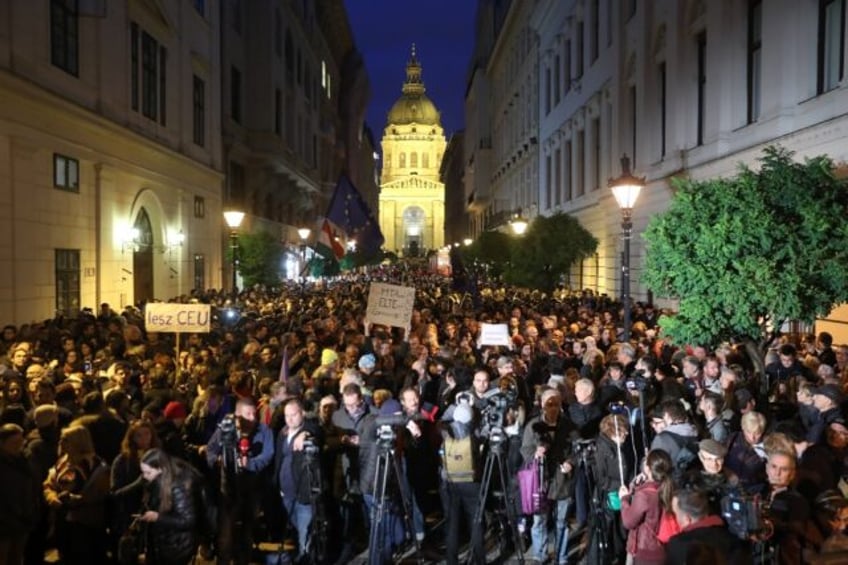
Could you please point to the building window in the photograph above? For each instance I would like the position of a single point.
(402, 161)
(663, 107)
(299, 68)
(831, 46)
(755, 43)
(235, 95)
(237, 7)
(65, 173)
(580, 163)
(630, 8)
(278, 112)
(702, 85)
(557, 188)
(557, 80)
(307, 82)
(199, 111)
(594, 17)
(567, 169)
(413, 159)
(199, 272)
(566, 75)
(596, 153)
(236, 182)
(548, 183)
(547, 91)
(67, 280)
(64, 35)
(633, 122)
(289, 57)
(199, 207)
(200, 6)
(425, 160)
(152, 74)
(278, 34)
(580, 39)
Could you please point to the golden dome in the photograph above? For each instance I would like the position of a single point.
(413, 106)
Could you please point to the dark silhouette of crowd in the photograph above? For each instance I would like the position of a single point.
(298, 423)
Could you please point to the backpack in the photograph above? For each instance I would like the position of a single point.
(458, 459)
(687, 453)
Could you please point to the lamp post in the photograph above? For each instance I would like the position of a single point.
(234, 219)
(304, 235)
(518, 223)
(626, 190)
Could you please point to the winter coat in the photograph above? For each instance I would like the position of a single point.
(669, 444)
(19, 500)
(89, 485)
(172, 539)
(710, 531)
(291, 468)
(640, 515)
(743, 460)
(608, 477)
(559, 485)
(354, 459)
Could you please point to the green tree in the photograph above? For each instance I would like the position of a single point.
(260, 257)
(745, 254)
(492, 248)
(548, 249)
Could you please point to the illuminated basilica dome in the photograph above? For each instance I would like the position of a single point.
(413, 107)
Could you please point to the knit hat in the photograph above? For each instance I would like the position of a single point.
(367, 362)
(329, 356)
(46, 415)
(174, 411)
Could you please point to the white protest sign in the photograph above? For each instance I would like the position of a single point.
(494, 334)
(390, 304)
(180, 318)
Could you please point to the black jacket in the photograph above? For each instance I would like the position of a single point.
(172, 539)
(712, 533)
(291, 468)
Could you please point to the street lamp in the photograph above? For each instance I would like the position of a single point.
(518, 223)
(233, 219)
(304, 235)
(626, 190)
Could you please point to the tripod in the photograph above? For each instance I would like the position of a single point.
(317, 538)
(494, 458)
(598, 525)
(387, 462)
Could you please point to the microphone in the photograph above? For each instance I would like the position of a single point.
(244, 450)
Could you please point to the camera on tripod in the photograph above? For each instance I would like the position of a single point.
(498, 402)
(310, 449)
(745, 516)
(637, 381)
(584, 446)
(386, 425)
(229, 432)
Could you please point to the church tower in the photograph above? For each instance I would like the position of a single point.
(412, 200)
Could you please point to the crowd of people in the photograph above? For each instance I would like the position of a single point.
(296, 420)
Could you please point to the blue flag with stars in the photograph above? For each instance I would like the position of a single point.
(352, 215)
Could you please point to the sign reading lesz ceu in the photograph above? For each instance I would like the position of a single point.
(180, 318)
(390, 304)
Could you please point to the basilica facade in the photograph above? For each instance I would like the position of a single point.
(412, 199)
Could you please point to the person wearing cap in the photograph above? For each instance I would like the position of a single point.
(710, 474)
(826, 400)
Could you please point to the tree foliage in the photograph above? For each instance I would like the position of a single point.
(260, 258)
(745, 254)
(537, 259)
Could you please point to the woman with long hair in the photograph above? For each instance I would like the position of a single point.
(76, 489)
(169, 509)
(642, 505)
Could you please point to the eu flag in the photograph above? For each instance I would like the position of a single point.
(351, 214)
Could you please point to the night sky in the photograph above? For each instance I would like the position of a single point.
(443, 33)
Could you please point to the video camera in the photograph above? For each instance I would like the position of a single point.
(386, 425)
(745, 516)
(637, 381)
(584, 446)
(310, 448)
(498, 402)
(229, 432)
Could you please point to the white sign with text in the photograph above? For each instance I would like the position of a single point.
(179, 318)
(390, 304)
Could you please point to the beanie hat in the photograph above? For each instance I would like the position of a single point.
(46, 415)
(367, 362)
(174, 411)
(329, 356)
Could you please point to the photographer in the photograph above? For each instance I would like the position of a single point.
(296, 466)
(241, 447)
(546, 439)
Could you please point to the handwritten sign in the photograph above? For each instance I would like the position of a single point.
(390, 304)
(180, 318)
(494, 334)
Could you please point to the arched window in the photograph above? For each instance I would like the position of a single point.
(413, 159)
(425, 160)
(402, 161)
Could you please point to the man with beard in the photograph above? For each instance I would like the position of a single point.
(241, 458)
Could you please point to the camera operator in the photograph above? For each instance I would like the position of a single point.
(242, 447)
(700, 527)
(461, 471)
(788, 511)
(710, 474)
(295, 463)
(546, 439)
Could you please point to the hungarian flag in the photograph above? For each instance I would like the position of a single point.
(330, 243)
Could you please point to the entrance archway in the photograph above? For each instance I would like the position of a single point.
(413, 230)
(143, 259)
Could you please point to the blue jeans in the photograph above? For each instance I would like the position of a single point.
(300, 516)
(558, 510)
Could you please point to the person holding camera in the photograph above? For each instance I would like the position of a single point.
(297, 471)
(546, 440)
(241, 448)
